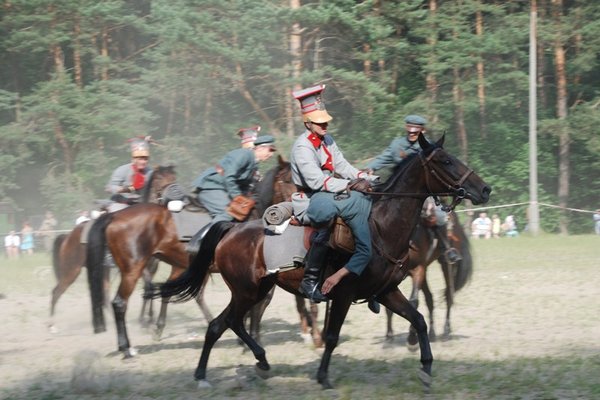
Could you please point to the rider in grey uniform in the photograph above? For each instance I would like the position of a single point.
(394, 154)
(320, 171)
(127, 181)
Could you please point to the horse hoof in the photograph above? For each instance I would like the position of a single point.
(412, 347)
(425, 379)
(130, 353)
(204, 384)
(325, 384)
(261, 372)
(157, 335)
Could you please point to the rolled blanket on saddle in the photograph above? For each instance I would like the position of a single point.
(276, 217)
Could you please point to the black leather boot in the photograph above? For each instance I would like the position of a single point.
(452, 255)
(315, 259)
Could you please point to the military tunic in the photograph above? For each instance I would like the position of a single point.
(394, 153)
(314, 162)
(231, 177)
(123, 177)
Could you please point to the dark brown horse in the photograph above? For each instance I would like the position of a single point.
(137, 234)
(424, 251)
(68, 254)
(237, 251)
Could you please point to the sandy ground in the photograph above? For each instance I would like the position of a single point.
(504, 316)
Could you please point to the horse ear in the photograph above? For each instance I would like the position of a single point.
(441, 141)
(281, 160)
(423, 142)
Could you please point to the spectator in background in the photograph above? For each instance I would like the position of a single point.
(482, 226)
(510, 227)
(496, 223)
(48, 230)
(12, 242)
(597, 221)
(27, 238)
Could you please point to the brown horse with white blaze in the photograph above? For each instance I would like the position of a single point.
(237, 250)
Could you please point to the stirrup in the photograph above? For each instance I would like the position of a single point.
(313, 294)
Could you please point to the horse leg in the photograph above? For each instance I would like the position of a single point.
(396, 302)
(449, 295)
(119, 304)
(257, 312)
(315, 331)
(335, 320)
(389, 334)
(418, 277)
(430, 305)
(201, 303)
(146, 303)
(304, 316)
(66, 279)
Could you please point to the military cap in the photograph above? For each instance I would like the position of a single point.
(248, 135)
(265, 140)
(139, 147)
(311, 104)
(415, 122)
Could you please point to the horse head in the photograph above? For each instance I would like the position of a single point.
(447, 175)
(161, 179)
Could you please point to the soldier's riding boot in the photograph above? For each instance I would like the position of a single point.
(315, 259)
(193, 246)
(374, 305)
(452, 255)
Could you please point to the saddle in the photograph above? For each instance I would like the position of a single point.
(189, 216)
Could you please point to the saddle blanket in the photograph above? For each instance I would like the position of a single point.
(286, 251)
(85, 231)
(188, 223)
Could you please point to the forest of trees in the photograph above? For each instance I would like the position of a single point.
(80, 77)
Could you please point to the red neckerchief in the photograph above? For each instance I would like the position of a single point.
(317, 141)
(138, 179)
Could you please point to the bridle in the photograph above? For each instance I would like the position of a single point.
(457, 191)
(455, 188)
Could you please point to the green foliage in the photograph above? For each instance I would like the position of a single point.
(192, 72)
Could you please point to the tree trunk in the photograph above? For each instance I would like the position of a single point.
(480, 77)
(77, 53)
(561, 111)
(104, 53)
(59, 69)
(295, 44)
(541, 83)
(431, 80)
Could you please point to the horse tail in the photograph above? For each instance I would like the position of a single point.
(96, 249)
(188, 284)
(464, 268)
(56, 254)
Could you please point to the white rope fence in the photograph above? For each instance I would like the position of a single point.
(526, 203)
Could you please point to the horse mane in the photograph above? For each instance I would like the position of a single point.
(156, 171)
(265, 189)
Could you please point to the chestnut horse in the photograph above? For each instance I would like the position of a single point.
(237, 250)
(68, 253)
(426, 251)
(138, 233)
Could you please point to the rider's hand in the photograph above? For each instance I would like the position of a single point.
(333, 280)
(360, 185)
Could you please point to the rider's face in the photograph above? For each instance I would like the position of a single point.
(319, 128)
(140, 162)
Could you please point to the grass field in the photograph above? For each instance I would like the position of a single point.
(526, 327)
